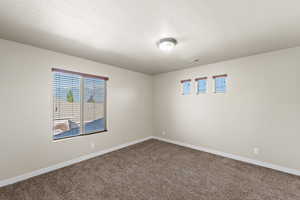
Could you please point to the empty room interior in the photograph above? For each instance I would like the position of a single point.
(150, 100)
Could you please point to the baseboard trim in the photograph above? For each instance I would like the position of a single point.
(67, 163)
(99, 153)
(234, 157)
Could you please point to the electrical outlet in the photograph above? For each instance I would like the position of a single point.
(163, 133)
(256, 150)
(92, 145)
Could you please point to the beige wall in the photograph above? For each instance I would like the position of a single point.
(25, 87)
(261, 108)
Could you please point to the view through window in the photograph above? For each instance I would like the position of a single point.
(220, 83)
(79, 104)
(201, 84)
(186, 86)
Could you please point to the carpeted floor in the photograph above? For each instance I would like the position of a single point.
(155, 170)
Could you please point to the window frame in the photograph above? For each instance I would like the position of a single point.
(182, 86)
(82, 125)
(197, 84)
(215, 83)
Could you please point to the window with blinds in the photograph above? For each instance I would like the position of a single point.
(186, 86)
(79, 104)
(220, 83)
(201, 84)
(94, 101)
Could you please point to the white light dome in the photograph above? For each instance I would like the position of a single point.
(167, 44)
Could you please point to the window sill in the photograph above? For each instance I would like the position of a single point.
(59, 139)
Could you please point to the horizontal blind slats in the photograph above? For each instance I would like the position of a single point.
(66, 100)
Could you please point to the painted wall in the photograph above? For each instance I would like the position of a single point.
(261, 108)
(25, 104)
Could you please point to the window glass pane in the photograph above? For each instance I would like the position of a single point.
(220, 84)
(66, 105)
(94, 105)
(201, 86)
(186, 87)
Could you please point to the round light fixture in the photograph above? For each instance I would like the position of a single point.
(166, 44)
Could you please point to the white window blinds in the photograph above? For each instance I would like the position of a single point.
(94, 105)
(79, 104)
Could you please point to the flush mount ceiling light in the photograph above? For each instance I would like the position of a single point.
(166, 44)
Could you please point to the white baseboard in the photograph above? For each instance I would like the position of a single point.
(92, 155)
(67, 163)
(234, 157)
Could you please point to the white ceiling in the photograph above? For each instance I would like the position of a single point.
(124, 33)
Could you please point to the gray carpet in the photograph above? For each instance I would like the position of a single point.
(155, 170)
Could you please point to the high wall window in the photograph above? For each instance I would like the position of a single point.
(79, 104)
(201, 85)
(186, 86)
(220, 83)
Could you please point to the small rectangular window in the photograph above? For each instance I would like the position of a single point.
(220, 83)
(201, 85)
(186, 86)
(79, 104)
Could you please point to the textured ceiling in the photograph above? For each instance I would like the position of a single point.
(124, 33)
